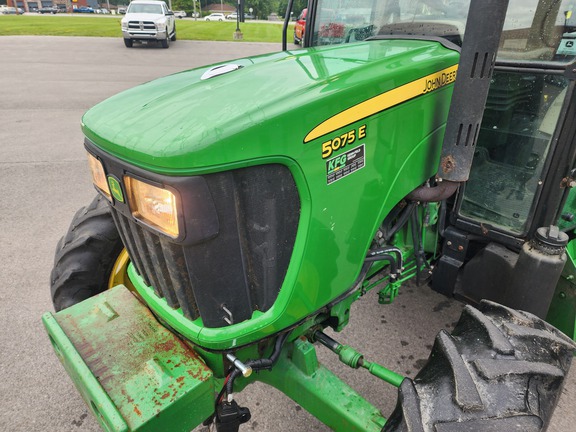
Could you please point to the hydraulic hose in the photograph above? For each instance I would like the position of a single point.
(402, 219)
(385, 257)
(258, 364)
(387, 250)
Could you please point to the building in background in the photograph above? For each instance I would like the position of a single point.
(62, 5)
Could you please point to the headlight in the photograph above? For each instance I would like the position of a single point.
(99, 176)
(153, 205)
(124, 25)
(161, 25)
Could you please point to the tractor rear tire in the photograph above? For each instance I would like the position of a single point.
(85, 256)
(500, 370)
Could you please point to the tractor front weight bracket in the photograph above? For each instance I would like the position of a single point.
(300, 376)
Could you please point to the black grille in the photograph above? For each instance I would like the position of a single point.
(226, 278)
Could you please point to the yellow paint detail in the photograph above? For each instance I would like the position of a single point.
(119, 273)
(384, 101)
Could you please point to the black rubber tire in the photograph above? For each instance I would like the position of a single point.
(165, 42)
(85, 256)
(173, 38)
(500, 370)
(128, 42)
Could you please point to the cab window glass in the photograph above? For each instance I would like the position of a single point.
(534, 30)
(513, 144)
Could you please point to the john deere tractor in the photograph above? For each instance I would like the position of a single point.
(431, 140)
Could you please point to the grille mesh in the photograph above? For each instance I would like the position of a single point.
(160, 263)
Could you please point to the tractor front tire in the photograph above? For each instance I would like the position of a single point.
(85, 256)
(499, 370)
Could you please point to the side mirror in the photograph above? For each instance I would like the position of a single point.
(169, 13)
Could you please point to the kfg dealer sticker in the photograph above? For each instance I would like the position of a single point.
(340, 166)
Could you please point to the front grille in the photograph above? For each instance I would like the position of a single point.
(224, 279)
(160, 263)
(142, 25)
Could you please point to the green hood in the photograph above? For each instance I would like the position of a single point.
(182, 124)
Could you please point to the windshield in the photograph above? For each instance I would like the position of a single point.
(145, 8)
(534, 30)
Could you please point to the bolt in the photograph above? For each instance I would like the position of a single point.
(449, 243)
(460, 248)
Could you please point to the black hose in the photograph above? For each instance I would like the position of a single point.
(388, 249)
(401, 221)
(259, 364)
(385, 257)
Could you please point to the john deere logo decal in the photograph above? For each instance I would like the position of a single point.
(115, 189)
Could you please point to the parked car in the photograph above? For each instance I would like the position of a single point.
(8, 10)
(300, 27)
(217, 16)
(103, 11)
(50, 10)
(232, 16)
(121, 10)
(148, 20)
(180, 14)
(21, 11)
(83, 9)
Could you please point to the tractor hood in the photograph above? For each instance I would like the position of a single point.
(260, 107)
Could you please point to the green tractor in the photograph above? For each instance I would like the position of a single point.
(243, 207)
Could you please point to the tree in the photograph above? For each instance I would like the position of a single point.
(296, 8)
(262, 8)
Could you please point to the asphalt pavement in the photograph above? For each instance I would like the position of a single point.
(46, 84)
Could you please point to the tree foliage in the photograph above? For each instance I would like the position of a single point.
(296, 8)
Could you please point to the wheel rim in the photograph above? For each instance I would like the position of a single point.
(119, 273)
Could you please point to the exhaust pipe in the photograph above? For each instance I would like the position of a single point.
(481, 40)
(477, 58)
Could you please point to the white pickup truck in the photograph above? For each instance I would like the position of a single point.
(148, 20)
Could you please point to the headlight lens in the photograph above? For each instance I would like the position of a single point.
(124, 25)
(99, 176)
(152, 205)
(161, 25)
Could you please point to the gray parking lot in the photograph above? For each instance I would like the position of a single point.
(47, 84)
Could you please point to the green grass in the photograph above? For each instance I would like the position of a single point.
(187, 29)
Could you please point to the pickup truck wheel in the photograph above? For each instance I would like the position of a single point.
(88, 257)
(173, 38)
(166, 42)
(500, 370)
(128, 43)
